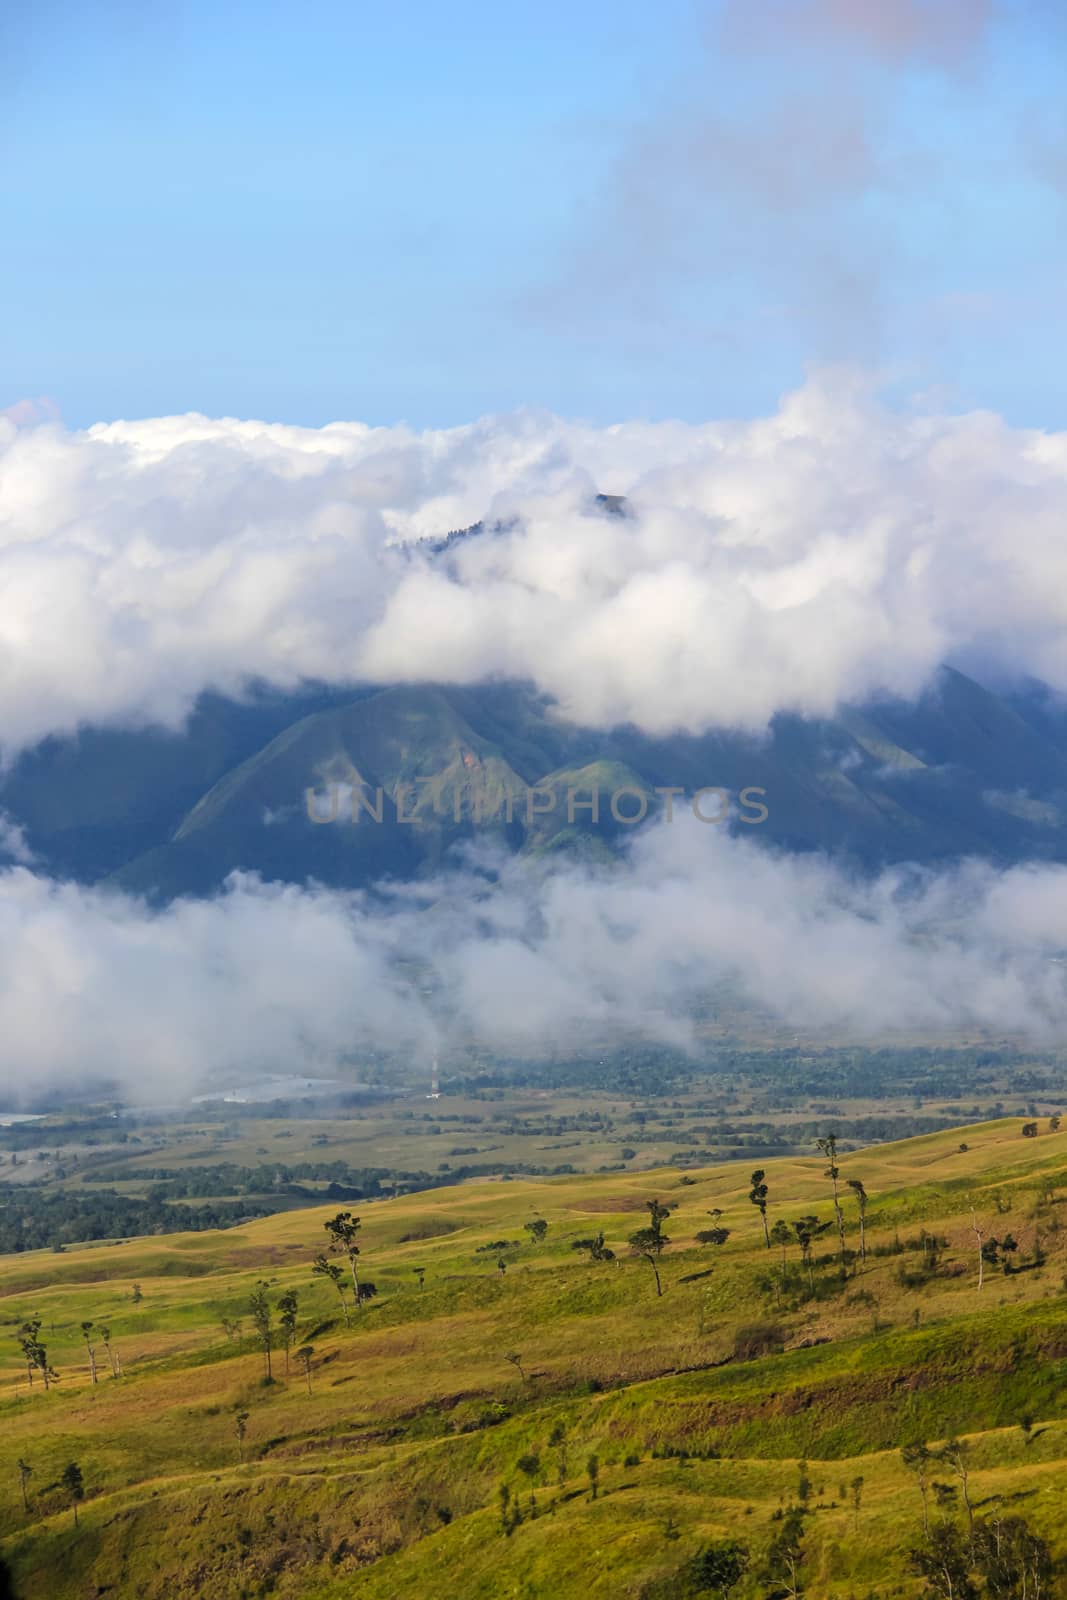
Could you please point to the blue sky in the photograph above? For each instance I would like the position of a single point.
(431, 212)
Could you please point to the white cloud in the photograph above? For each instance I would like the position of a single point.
(285, 979)
(826, 551)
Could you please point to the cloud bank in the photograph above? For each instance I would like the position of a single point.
(272, 978)
(820, 554)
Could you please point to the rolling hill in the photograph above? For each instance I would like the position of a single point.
(442, 1444)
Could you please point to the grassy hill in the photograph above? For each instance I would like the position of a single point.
(426, 1461)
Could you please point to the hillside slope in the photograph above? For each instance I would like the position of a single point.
(519, 1360)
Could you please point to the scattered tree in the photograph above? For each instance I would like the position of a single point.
(856, 1487)
(861, 1195)
(35, 1353)
(598, 1250)
(240, 1428)
(944, 1561)
(342, 1230)
(713, 1236)
(786, 1555)
(305, 1354)
(954, 1452)
(87, 1335)
(112, 1356)
(287, 1321)
(649, 1243)
(758, 1196)
(259, 1306)
(976, 1230)
(536, 1229)
(917, 1458)
(74, 1483)
(806, 1230)
(322, 1268)
(592, 1467)
(828, 1146)
(781, 1235)
(25, 1472)
(420, 1273)
(515, 1359)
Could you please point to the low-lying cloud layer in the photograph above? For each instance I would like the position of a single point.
(271, 978)
(819, 554)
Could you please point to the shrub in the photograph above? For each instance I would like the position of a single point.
(757, 1339)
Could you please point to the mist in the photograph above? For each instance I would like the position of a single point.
(518, 959)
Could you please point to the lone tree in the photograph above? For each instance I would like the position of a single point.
(420, 1273)
(287, 1320)
(980, 1236)
(342, 1230)
(954, 1452)
(649, 1243)
(35, 1353)
(781, 1235)
(331, 1271)
(74, 1484)
(25, 1472)
(806, 1231)
(861, 1195)
(240, 1428)
(758, 1196)
(87, 1335)
(918, 1458)
(828, 1146)
(515, 1359)
(259, 1306)
(536, 1229)
(113, 1360)
(305, 1354)
(592, 1467)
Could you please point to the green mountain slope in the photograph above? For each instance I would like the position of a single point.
(961, 771)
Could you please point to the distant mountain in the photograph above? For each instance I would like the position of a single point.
(349, 786)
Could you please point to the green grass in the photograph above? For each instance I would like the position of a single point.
(417, 1417)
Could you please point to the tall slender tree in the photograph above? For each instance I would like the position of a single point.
(980, 1236)
(112, 1354)
(322, 1268)
(649, 1243)
(860, 1192)
(758, 1196)
(87, 1335)
(305, 1354)
(287, 1321)
(828, 1146)
(259, 1306)
(25, 1472)
(918, 1458)
(343, 1230)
